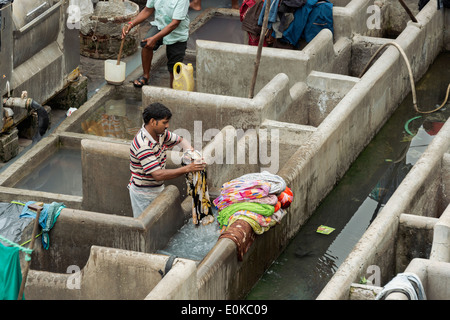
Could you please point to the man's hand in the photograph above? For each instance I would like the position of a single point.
(195, 166)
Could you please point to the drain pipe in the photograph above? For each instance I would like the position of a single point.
(30, 105)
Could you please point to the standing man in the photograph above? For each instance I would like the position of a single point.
(148, 157)
(170, 27)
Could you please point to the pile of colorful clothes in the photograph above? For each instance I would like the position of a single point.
(258, 199)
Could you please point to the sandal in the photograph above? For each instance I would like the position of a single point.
(141, 81)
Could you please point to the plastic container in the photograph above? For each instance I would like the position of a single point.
(183, 76)
(115, 73)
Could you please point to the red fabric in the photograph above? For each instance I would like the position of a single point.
(242, 234)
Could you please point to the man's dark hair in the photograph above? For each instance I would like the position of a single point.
(157, 111)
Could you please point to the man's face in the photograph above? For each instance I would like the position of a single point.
(161, 126)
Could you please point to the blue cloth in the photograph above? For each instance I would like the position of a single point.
(273, 10)
(294, 32)
(309, 20)
(10, 272)
(47, 218)
(320, 17)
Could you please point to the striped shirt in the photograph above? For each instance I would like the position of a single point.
(147, 155)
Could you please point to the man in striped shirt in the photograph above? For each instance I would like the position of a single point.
(148, 157)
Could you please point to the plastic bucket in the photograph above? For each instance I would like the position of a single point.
(115, 73)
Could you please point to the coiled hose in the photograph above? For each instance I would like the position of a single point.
(411, 77)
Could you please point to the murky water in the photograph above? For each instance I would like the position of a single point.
(311, 259)
(61, 173)
(120, 117)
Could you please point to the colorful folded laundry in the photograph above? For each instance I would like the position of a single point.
(241, 190)
(262, 209)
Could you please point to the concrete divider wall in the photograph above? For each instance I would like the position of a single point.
(211, 111)
(434, 275)
(377, 246)
(76, 231)
(220, 78)
(440, 250)
(116, 274)
(353, 18)
(414, 240)
(313, 170)
(106, 173)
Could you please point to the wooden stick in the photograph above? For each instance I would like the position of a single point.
(33, 237)
(120, 50)
(408, 11)
(260, 45)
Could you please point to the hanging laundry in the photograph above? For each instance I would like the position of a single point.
(47, 218)
(197, 188)
(309, 20)
(10, 272)
(320, 17)
(273, 10)
(249, 14)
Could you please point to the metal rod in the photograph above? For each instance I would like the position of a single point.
(408, 11)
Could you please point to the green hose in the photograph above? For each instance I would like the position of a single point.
(408, 122)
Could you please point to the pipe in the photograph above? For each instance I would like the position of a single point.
(411, 77)
(30, 105)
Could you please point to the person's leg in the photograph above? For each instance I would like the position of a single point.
(175, 53)
(146, 60)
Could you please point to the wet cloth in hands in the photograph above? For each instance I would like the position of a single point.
(198, 190)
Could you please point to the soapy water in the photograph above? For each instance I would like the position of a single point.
(193, 241)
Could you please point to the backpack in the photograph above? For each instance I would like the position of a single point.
(320, 17)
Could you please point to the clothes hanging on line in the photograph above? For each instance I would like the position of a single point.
(47, 218)
(294, 20)
(10, 272)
